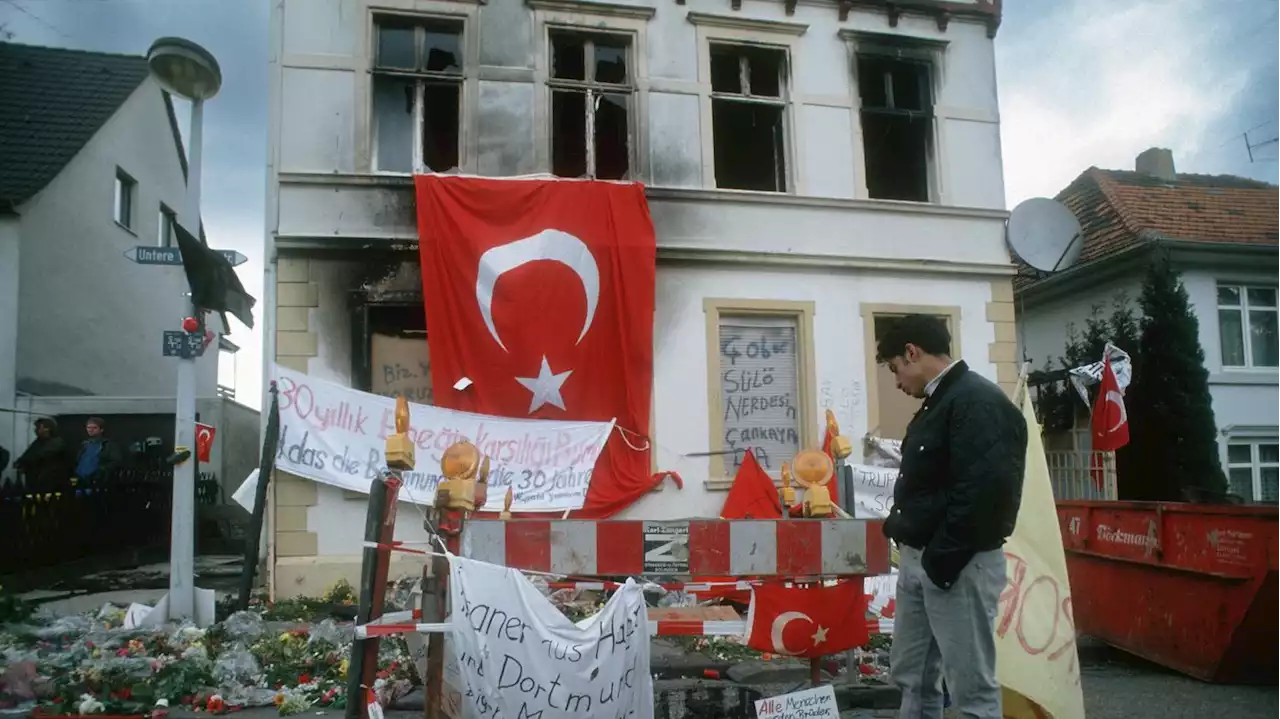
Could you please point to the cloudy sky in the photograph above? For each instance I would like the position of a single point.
(1082, 82)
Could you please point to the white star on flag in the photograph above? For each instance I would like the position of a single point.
(545, 387)
(820, 636)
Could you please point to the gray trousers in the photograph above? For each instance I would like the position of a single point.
(951, 632)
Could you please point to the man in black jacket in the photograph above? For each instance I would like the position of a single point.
(955, 503)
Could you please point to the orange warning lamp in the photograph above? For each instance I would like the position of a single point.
(788, 495)
(841, 447)
(813, 470)
(506, 505)
(459, 465)
(399, 449)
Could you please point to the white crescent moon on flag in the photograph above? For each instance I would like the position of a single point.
(553, 245)
(1117, 399)
(780, 624)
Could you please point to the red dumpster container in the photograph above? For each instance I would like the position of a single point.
(1191, 587)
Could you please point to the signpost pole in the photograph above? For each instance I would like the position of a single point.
(182, 539)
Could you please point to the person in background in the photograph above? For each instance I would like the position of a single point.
(955, 503)
(46, 465)
(99, 457)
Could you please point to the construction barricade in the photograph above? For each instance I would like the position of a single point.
(587, 554)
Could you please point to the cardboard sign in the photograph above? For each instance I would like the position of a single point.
(816, 703)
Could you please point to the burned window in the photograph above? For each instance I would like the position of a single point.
(897, 125)
(417, 95)
(748, 116)
(591, 85)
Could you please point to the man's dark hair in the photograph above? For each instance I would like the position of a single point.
(927, 332)
(96, 420)
(48, 423)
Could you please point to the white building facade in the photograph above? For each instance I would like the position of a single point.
(812, 168)
(80, 324)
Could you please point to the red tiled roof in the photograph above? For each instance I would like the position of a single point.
(1119, 209)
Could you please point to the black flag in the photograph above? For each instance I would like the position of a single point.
(214, 285)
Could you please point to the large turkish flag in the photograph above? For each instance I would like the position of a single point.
(541, 293)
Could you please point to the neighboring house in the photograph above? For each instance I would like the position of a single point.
(1221, 233)
(91, 165)
(817, 167)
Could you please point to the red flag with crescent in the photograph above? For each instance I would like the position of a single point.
(204, 441)
(1110, 420)
(541, 292)
(808, 621)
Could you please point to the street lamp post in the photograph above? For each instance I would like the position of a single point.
(186, 70)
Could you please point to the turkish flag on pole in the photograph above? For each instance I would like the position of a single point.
(541, 293)
(204, 441)
(810, 621)
(1110, 420)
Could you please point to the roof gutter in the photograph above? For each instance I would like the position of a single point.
(1114, 265)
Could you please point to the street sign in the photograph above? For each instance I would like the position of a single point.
(666, 548)
(180, 344)
(145, 255)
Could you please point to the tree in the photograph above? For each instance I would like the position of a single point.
(1173, 450)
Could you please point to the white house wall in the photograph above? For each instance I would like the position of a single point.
(1241, 398)
(1043, 327)
(90, 321)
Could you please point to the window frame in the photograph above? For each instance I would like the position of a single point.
(465, 80)
(1255, 463)
(801, 312)
(593, 18)
(125, 203)
(167, 219)
(869, 312)
(590, 87)
(1244, 309)
(784, 100)
(929, 52)
(769, 34)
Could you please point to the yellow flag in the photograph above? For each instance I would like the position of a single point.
(1036, 658)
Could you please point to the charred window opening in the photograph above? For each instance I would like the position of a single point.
(417, 95)
(748, 117)
(897, 125)
(591, 84)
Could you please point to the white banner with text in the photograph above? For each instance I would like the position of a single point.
(518, 656)
(336, 435)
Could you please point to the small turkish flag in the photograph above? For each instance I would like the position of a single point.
(1110, 420)
(752, 495)
(811, 621)
(204, 441)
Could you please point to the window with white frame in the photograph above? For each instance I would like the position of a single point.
(895, 89)
(164, 232)
(749, 101)
(126, 190)
(417, 94)
(592, 87)
(1247, 325)
(1253, 470)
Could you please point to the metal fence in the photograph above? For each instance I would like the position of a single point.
(39, 530)
(1082, 475)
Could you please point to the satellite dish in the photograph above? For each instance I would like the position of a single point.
(1044, 234)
